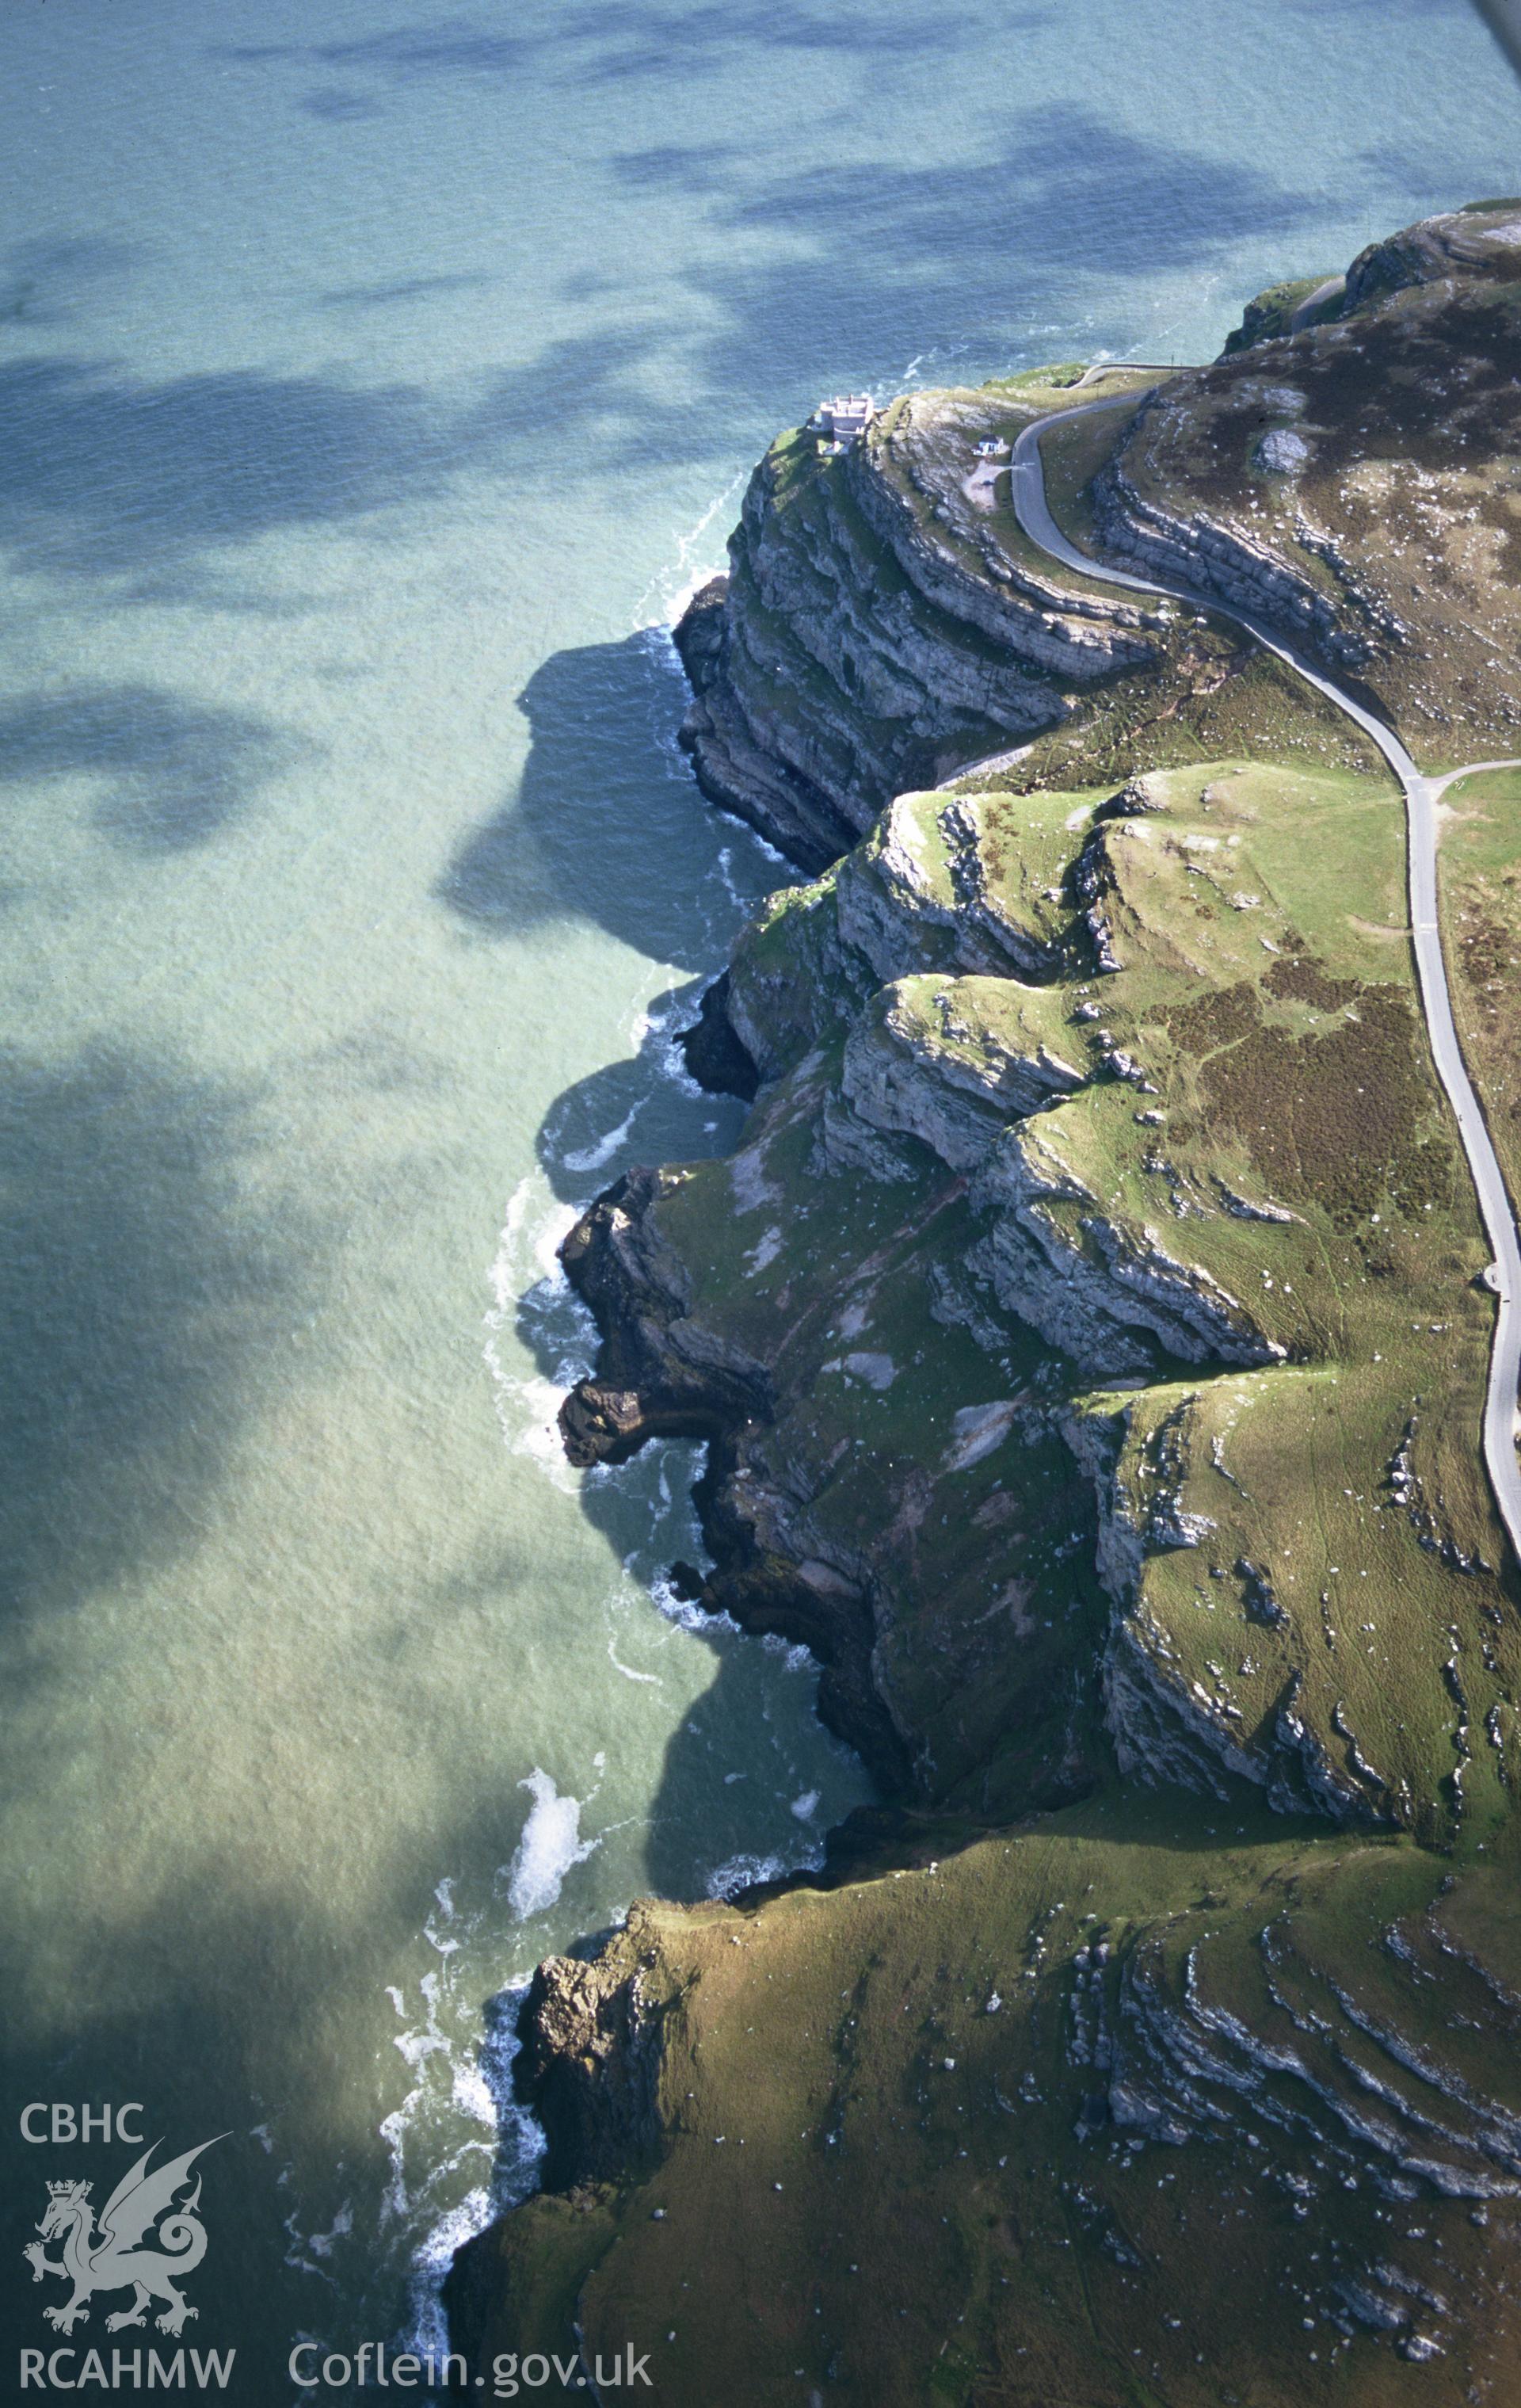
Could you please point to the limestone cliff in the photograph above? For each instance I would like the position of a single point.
(879, 626)
(882, 621)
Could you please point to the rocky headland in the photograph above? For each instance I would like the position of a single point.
(1090, 1344)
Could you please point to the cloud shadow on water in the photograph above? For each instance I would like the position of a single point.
(447, 48)
(978, 252)
(169, 773)
(853, 266)
(138, 1291)
(141, 483)
(600, 43)
(43, 279)
(401, 290)
(338, 107)
(705, 36)
(104, 474)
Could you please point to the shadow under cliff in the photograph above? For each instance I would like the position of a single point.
(608, 826)
(605, 804)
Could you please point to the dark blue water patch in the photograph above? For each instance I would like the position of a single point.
(447, 47)
(105, 475)
(169, 773)
(606, 43)
(50, 279)
(610, 393)
(110, 475)
(673, 43)
(139, 1295)
(102, 473)
(338, 107)
(606, 825)
(971, 259)
(1050, 221)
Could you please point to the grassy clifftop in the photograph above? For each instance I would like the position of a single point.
(1116, 2108)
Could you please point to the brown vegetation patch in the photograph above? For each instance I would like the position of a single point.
(1487, 952)
(1220, 1016)
(1335, 1116)
(1412, 384)
(1483, 944)
(1301, 979)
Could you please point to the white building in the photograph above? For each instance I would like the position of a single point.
(846, 416)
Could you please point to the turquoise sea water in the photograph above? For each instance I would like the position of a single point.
(371, 383)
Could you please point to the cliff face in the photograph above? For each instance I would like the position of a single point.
(1089, 1343)
(880, 624)
(882, 621)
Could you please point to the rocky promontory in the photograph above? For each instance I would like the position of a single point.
(877, 625)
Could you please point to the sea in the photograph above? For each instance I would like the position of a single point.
(376, 379)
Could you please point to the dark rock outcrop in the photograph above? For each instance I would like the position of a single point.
(714, 1054)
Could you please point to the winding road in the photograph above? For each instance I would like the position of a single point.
(1033, 511)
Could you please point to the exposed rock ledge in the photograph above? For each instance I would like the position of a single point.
(662, 1373)
(877, 630)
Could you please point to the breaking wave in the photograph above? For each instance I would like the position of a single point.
(550, 1845)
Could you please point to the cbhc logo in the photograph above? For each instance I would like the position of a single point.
(62, 2122)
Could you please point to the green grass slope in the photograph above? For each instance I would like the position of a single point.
(1115, 2109)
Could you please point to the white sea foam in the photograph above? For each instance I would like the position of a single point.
(592, 1157)
(627, 1670)
(685, 1613)
(797, 1657)
(806, 1806)
(656, 1029)
(320, 2243)
(743, 1871)
(698, 556)
(527, 1281)
(481, 2090)
(549, 1846)
(427, 2040)
(306, 2251)
(427, 2325)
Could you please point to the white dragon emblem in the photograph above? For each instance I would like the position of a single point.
(110, 2260)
